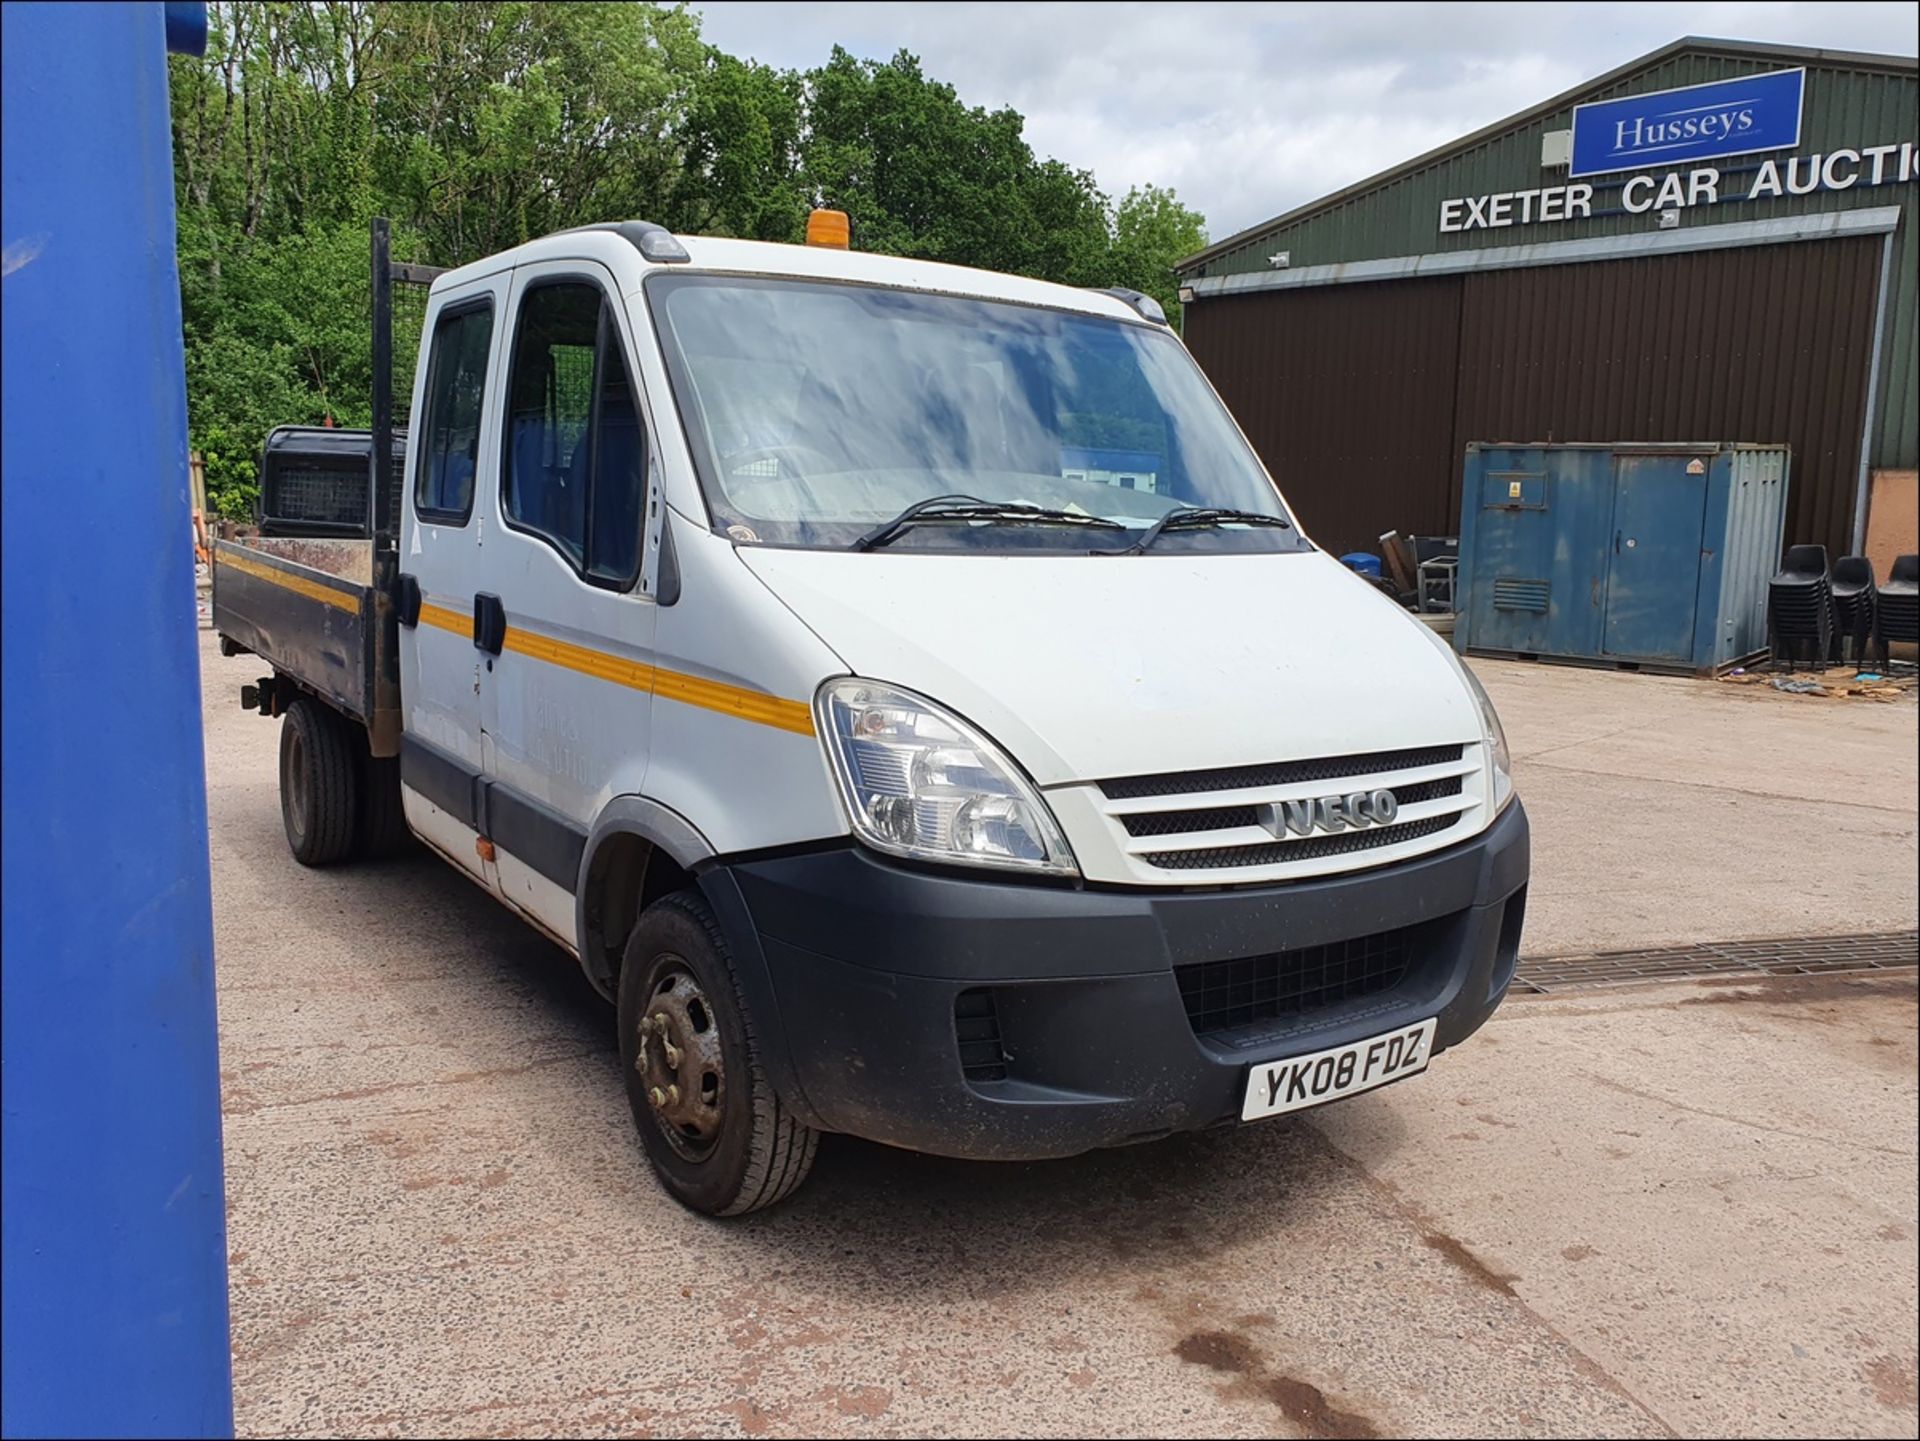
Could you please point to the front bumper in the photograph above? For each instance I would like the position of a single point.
(854, 965)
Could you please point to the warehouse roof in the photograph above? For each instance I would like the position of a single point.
(1687, 44)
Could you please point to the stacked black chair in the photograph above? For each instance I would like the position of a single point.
(1900, 602)
(1856, 606)
(1800, 612)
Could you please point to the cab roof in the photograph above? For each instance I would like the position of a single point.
(617, 245)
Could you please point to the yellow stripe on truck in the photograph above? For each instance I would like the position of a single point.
(599, 664)
(299, 585)
(444, 619)
(748, 705)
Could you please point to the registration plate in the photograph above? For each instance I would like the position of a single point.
(1274, 1087)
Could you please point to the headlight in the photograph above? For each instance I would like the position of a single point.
(1496, 742)
(919, 781)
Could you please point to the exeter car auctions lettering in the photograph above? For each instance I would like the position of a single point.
(1682, 189)
(1823, 172)
(1517, 207)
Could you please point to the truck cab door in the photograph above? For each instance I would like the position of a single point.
(568, 720)
(454, 434)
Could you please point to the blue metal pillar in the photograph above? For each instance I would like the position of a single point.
(115, 1295)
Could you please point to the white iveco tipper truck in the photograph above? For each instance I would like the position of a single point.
(903, 690)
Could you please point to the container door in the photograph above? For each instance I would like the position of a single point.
(1510, 566)
(1653, 574)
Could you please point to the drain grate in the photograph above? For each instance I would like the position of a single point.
(1791, 956)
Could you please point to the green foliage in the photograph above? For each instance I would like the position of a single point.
(1152, 230)
(238, 390)
(478, 126)
(919, 173)
(740, 147)
(498, 123)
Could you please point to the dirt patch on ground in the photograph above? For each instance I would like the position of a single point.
(1301, 1402)
(1893, 1382)
(1476, 1270)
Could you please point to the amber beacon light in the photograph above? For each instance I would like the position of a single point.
(828, 227)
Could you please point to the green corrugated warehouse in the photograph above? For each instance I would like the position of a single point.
(1612, 276)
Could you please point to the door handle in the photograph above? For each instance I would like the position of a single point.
(489, 623)
(1616, 542)
(408, 600)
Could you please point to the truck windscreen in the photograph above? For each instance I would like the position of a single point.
(816, 410)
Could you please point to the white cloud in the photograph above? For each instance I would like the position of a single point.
(1249, 110)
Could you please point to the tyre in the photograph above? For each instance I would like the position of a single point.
(380, 828)
(719, 1139)
(319, 783)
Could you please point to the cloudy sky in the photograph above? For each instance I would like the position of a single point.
(1250, 109)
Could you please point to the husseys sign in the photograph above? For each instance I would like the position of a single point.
(1742, 116)
(1727, 118)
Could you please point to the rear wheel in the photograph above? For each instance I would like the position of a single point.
(380, 828)
(719, 1139)
(319, 782)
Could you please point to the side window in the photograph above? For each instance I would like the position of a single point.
(575, 447)
(450, 439)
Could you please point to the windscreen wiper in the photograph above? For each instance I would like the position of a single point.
(1190, 517)
(971, 507)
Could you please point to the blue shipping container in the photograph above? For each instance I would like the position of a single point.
(1650, 555)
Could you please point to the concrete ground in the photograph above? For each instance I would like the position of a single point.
(1683, 1209)
(1668, 810)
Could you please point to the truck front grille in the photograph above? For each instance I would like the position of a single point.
(1281, 773)
(1224, 995)
(1230, 825)
(1176, 823)
(1311, 849)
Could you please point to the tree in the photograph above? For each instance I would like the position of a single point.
(476, 127)
(501, 122)
(1151, 231)
(740, 141)
(921, 174)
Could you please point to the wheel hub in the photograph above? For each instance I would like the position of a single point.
(680, 1063)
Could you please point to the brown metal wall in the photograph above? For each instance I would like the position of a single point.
(1770, 343)
(1362, 398)
(1347, 393)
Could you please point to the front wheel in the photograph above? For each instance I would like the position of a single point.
(718, 1137)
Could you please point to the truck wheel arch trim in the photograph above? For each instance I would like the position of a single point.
(684, 843)
(637, 818)
(650, 821)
